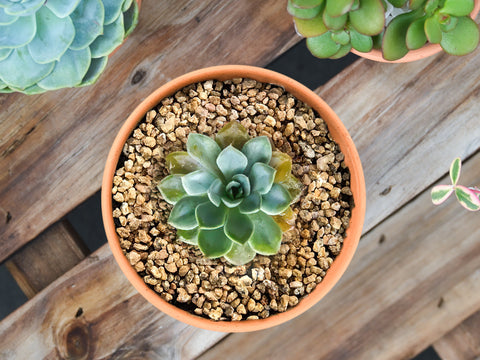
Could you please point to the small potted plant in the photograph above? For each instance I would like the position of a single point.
(233, 198)
(386, 30)
(48, 45)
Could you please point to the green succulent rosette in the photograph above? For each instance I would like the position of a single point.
(48, 45)
(231, 195)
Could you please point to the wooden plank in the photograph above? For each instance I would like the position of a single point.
(463, 342)
(93, 312)
(46, 258)
(53, 146)
(415, 277)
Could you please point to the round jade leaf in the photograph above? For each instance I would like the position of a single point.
(416, 4)
(188, 236)
(360, 42)
(261, 177)
(214, 243)
(433, 30)
(6, 19)
(205, 151)
(216, 191)
(182, 215)
(18, 33)
(306, 4)
(458, 7)
(179, 162)
(69, 71)
(24, 8)
(323, 46)
(88, 21)
(62, 8)
(231, 161)
(336, 8)
(394, 40)
(344, 50)
(30, 72)
(257, 150)
(54, 36)
(130, 16)
(276, 201)
(251, 204)
(311, 27)
(461, 40)
(210, 216)
(111, 38)
(172, 189)
(369, 19)
(267, 235)
(197, 182)
(94, 71)
(334, 23)
(303, 13)
(238, 226)
(341, 37)
(416, 37)
(233, 133)
(240, 254)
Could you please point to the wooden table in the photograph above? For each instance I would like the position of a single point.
(414, 281)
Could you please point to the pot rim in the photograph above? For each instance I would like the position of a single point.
(413, 55)
(339, 134)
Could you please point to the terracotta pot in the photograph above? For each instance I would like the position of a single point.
(340, 135)
(413, 55)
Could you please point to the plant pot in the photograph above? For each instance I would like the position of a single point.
(339, 134)
(413, 55)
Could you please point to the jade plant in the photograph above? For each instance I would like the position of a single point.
(48, 45)
(231, 195)
(468, 197)
(334, 27)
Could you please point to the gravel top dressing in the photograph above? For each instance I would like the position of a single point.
(213, 288)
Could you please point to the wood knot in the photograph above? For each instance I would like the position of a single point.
(386, 191)
(74, 340)
(138, 76)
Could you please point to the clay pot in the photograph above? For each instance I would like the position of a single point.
(413, 55)
(340, 135)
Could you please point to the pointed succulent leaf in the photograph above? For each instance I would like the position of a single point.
(463, 39)
(111, 38)
(455, 169)
(293, 186)
(306, 4)
(286, 220)
(282, 163)
(197, 182)
(18, 33)
(210, 216)
(336, 8)
(276, 201)
(369, 19)
(234, 190)
(231, 161)
(240, 254)
(416, 37)
(188, 236)
(233, 133)
(4, 53)
(54, 36)
(344, 50)
(244, 182)
(238, 226)
(62, 8)
(94, 71)
(251, 204)
(433, 30)
(32, 90)
(113, 9)
(172, 189)
(257, 149)
(126, 5)
(182, 215)
(31, 71)
(267, 235)
(205, 151)
(334, 23)
(360, 42)
(323, 46)
(130, 17)
(88, 21)
(23, 8)
(179, 162)
(467, 198)
(229, 202)
(69, 71)
(394, 40)
(458, 7)
(261, 178)
(303, 13)
(214, 243)
(312, 27)
(216, 191)
(440, 193)
(6, 19)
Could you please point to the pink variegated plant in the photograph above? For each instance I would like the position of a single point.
(468, 197)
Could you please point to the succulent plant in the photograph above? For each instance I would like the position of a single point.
(47, 45)
(231, 195)
(334, 27)
(468, 197)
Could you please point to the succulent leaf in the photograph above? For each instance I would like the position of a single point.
(261, 178)
(312, 27)
(257, 150)
(344, 50)
(130, 17)
(455, 169)
(113, 9)
(244, 182)
(323, 46)
(467, 198)
(182, 215)
(94, 71)
(4, 53)
(440, 193)
(341, 37)
(111, 38)
(276, 201)
(416, 37)
(433, 30)
(205, 151)
(231, 161)
(463, 39)
(286, 220)
(293, 186)
(431, 6)
(179, 162)
(416, 4)
(210, 216)
(240, 254)
(62, 8)
(251, 204)
(306, 4)
(360, 42)
(126, 5)
(188, 236)
(458, 7)
(171, 188)
(233, 134)
(23, 8)
(229, 202)
(336, 8)
(6, 19)
(369, 19)
(88, 19)
(214, 243)
(303, 13)
(267, 235)
(19, 33)
(394, 40)
(197, 182)
(238, 226)
(334, 23)
(282, 163)
(216, 191)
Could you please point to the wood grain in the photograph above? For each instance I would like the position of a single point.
(415, 277)
(463, 342)
(46, 258)
(53, 146)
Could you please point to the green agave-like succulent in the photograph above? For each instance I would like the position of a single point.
(334, 27)
(48, 45)
(231, 195)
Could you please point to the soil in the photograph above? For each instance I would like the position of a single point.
(212, 288)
